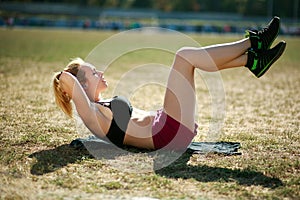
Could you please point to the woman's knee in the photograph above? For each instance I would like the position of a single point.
(182, 56)
(182, 53)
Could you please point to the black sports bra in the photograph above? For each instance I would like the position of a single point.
(121, 110)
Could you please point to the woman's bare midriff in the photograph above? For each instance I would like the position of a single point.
(139, 130)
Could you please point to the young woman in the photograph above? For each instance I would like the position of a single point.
(172, 127)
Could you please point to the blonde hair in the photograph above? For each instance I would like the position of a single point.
(62, 99)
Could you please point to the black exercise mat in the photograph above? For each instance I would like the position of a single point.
(226, 148)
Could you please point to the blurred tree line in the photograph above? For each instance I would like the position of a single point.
(284, 8)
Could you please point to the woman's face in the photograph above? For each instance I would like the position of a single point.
(95, 82)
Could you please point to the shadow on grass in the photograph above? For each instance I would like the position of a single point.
(54, 159)
(51, 160)
(204, 173)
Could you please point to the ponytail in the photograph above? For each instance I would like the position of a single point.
(62, 99)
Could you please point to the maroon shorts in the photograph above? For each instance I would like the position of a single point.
(169, 133)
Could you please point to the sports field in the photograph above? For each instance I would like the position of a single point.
(36, 161)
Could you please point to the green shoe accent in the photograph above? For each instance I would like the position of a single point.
(259, 62)
(278, 50)
(279, 53)
(254, 66)
(259, 45)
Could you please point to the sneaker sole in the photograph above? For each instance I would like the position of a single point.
(281, 50)
(276, 33)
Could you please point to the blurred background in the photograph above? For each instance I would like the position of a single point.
(198, 16)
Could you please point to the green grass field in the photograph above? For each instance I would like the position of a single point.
(37, 163)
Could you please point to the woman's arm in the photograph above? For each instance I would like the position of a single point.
(90, 114)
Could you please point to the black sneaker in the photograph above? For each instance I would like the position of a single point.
(263, 39)
(259, 63)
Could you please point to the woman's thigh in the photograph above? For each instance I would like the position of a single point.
(180, 98)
